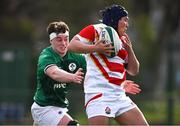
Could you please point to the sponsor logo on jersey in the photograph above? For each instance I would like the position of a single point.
(61, 85)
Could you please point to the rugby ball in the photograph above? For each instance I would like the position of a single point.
(109, 35)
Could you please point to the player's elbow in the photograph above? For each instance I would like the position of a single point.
(133, 71)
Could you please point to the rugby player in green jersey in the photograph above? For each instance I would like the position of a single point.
(57, 68)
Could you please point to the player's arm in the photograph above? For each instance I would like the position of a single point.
(77, 46)
(62, 76)
(133, 63)
(82, 43)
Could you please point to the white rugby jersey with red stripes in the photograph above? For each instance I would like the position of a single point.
(104, 74)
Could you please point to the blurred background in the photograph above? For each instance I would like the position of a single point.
(154, 31)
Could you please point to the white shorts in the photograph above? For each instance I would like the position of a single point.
(107, 104)
(48, 115)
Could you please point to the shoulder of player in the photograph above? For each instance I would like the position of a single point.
(75, 55)
(49, 53)
(46, 50)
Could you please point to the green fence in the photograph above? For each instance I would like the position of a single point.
(14, 82)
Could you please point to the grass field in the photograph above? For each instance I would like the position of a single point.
(155, 112)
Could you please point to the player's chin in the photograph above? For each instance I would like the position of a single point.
(64, 50)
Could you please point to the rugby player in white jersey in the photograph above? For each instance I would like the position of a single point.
(104, 89)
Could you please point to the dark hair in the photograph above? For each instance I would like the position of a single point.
(57, 27)
(112, 14)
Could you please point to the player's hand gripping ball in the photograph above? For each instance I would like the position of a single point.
(109, 35)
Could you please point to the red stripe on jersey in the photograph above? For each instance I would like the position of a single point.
(88, 33)
(113, 80)
(105, 74)
(93, 98)
(122, 53)
(113, 66)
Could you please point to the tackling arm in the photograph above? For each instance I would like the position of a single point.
(62, 76)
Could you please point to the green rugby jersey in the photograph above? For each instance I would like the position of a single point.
(49, 91)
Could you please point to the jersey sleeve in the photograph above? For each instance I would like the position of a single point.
(87, 34)
(45, 61)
